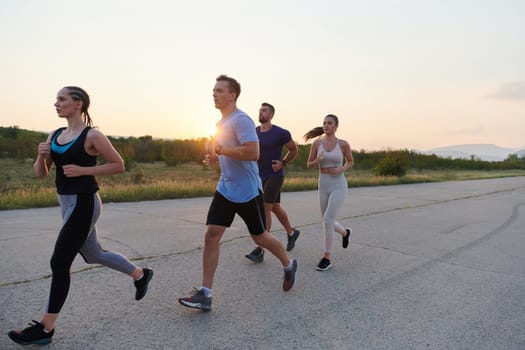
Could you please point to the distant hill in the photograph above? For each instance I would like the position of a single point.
(485, 152)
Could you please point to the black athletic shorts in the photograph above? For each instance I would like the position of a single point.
(222, 212)
(272, 189)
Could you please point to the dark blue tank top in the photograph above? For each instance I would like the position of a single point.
(73, 153)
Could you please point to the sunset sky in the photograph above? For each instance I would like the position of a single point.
(413, 74)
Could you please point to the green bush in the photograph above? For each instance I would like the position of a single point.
(393, 164)
(172, 162)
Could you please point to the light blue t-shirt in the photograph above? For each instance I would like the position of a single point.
(239, 181)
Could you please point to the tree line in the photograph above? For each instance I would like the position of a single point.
(21, 144)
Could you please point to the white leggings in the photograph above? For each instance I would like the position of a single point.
(332, 194)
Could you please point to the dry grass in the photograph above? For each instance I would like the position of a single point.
(21, 189)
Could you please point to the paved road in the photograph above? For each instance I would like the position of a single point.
(430, 266)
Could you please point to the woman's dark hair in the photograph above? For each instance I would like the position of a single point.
(318, 131)
(78, 94)
(233, 85)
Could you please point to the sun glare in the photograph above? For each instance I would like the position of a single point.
(212, 131)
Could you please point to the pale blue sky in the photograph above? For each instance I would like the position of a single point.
(399, 74)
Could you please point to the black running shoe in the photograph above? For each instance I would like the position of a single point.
(347, 237)
(291, 239)
(323, 265)
(142, 284)
(34, 334)
(197, 300)
(289, 277)
(257, 255)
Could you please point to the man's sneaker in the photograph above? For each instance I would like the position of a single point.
(257, 255)
(347, 237)
(142, 284)
(34, 334)
(197, 300)
(291, 239)
(289, 277)
(323, 265)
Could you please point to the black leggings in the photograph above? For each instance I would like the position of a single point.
(80, 214)
(71, 238)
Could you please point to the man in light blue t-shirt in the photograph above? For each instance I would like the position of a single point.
(239, 191)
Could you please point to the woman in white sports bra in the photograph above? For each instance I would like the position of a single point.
(333, 156)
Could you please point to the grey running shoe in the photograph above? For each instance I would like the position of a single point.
(142, 284)
(197, 300)
(34, 334)
(257, 255)
(347, 237)
(291, 239)
(289, 277)
(323, 265)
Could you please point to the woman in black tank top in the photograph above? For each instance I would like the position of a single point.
(74, 150)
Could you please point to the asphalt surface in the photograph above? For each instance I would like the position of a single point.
(429, 266)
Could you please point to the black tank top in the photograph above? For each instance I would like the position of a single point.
(73, 153)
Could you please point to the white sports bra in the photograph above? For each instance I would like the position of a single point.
(333, 158)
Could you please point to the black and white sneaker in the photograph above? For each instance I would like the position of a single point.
(323, 265)
(257, 255)
(142, 284)
(289, 276)
(197, 300)
(34, 334)
(347, 237)
(291, 239)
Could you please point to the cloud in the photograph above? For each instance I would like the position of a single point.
(514, 91)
